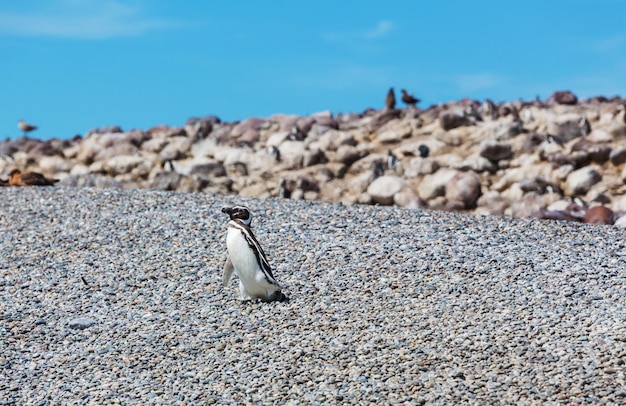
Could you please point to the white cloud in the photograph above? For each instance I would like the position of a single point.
(82, 19)
(612, 44)
(381, 30)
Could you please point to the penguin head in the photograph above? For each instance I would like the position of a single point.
(423, 149)
(241, 213)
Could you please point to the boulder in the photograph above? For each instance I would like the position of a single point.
(618, 155)
(495, 151)
(395, 134)
(500, 130)
(347, 154)
(122, 164)
(580, 181)
(464, 189)
(434, 185)
(383, 189)
(563, 97)
(208, 169)
(599, 153)
(599, 215)
(453, 119)
(421, 166)
(566, 127)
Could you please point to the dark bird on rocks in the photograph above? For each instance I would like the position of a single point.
(424, 151)
(25, 127)
(29, 179)
(390, 100)
(409, 99)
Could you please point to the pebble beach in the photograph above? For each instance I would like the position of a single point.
(112, 296)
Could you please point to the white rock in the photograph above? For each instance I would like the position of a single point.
(277, 138)
(53, 164)
(292, 154)
(580, 181)
(500, 130)
(435, 185)
(395, 134)
(406, 198)
(421, 166)
(79, 169)
(122, 164)
(600, 136)
(204, 148)
(383, 188)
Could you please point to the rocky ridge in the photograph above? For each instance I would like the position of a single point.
(556, 159)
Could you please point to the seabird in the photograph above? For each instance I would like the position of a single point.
(29, 179)
(247, 259)
(409, 99)
(390, 100)
(25, 127)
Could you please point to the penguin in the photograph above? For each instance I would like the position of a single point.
(392, 161)
(424, 150)
(553, 139)
(247, 259)
(275, 152)
(296, 134)
(583, 124)
(378, 169)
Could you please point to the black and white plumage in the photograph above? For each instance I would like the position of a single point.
(247, 259)
(275, 152)
(392, 161)
(296, 134)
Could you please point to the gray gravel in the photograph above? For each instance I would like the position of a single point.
(114, 297)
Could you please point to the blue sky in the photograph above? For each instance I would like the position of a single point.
(72, 65)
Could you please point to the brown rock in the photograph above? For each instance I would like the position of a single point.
(382, 117)
(434, 185)
(563, 97)
(599, 215)
(618, 155)
(599, 153)
(208, 169)
(464, 188)
(250, 123)
(495, 151)
(453, 119)
(347, 154)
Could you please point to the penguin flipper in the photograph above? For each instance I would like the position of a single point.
(227, 272)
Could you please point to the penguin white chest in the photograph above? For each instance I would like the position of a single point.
(241, 255)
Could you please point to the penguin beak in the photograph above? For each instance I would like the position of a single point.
(227, 210)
